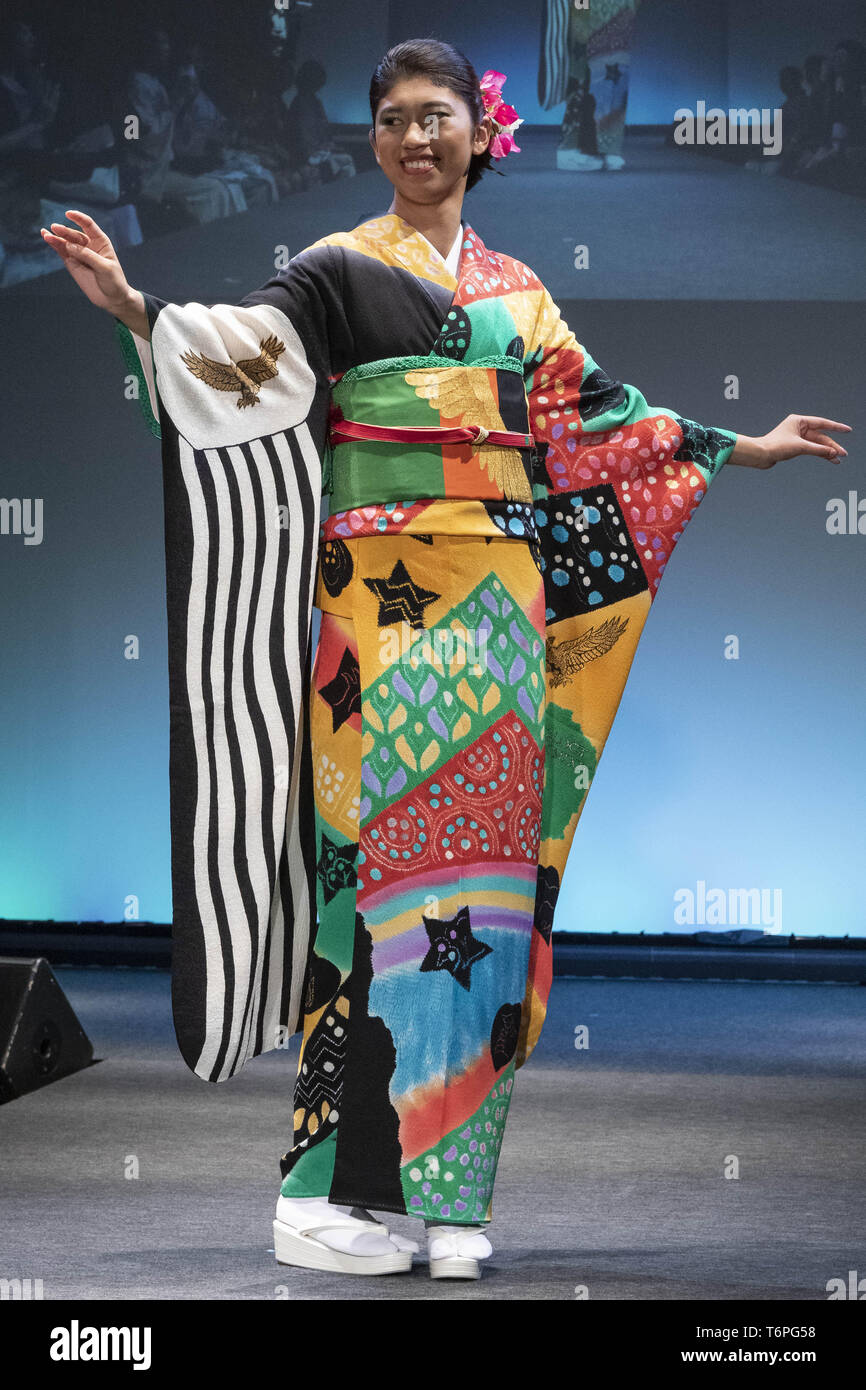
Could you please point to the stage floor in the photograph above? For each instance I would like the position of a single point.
(612, 1174)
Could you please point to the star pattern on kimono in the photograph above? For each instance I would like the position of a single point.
(453, 947)
(343, 690)
(336, 867)
(400, 598)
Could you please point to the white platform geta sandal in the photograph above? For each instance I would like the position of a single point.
(296, 1242)
(455, 1251)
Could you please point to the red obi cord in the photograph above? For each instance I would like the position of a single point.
(343, 431)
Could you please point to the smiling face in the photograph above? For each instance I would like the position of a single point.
(424, 138)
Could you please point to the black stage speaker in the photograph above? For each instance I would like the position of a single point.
(40, 1037)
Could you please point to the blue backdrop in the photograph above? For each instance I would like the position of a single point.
(742, 774)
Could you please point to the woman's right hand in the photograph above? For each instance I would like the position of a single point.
(92, 262)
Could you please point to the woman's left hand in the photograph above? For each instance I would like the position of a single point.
(795, 435)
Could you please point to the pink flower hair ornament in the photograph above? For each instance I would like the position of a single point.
(504, 118)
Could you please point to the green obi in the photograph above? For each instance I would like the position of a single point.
(428, 392)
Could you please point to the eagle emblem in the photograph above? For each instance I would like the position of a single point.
(565, 659)
(246, 376)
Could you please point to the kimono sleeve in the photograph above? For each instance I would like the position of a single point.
(238, 395)
(616, 481)
(594, 431)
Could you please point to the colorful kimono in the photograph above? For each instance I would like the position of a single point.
(585, 58)
(481, 606)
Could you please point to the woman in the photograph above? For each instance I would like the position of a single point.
(491, 489)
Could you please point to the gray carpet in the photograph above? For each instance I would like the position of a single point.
(611, 1176)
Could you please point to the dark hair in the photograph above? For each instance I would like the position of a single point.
(790, 80)
(856, 53)
(310, 76)
(446, 67)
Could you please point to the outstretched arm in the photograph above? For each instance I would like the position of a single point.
(564, 376)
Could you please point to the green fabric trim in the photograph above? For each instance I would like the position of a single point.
(724, 455)
(313, 1172)
(387, 365)
(133, 362)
